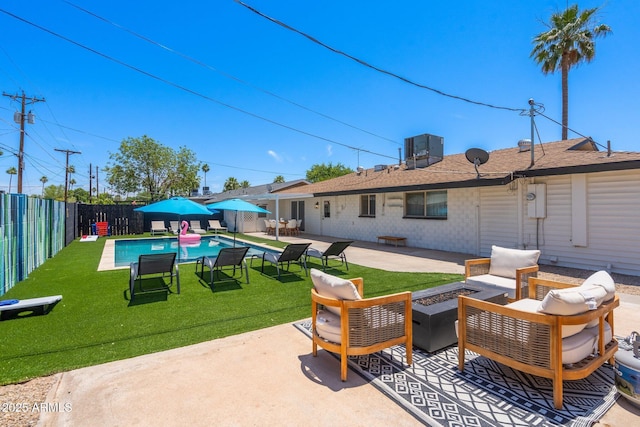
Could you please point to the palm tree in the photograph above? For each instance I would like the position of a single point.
(245, 184)
(43, 180)
(231, 184)
(205, 169)
(11, 171)
(569, 41)
(278, 179)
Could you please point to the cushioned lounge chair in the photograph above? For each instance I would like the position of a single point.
(292, 253)
(561, 332)
(228, 257)
(215, 226)
(174, 226)
(154, 264)
(196, 227)
(507, 269)
(345, 323)
(158, 227)
(336, 250)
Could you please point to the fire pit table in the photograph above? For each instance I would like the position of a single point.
(435, 312)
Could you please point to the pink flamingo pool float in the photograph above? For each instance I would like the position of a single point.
(184, 237)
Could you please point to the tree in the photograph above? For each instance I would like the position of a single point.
(54, 192)
(245, 184)
(205, 169)
(43, 180)
(231, 184)
(80, 195)
(11, 171)
(142, 164)
(278, 179)
(322, 172)
(569, 41)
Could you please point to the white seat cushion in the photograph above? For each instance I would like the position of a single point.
(577, 347)
(508, 284)
(330, 286)
(504, 261)
(532, 306)
(328, 326)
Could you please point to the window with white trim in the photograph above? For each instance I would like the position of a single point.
(426, 204)
(368, 205)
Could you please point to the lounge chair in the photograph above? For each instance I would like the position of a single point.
(345, 323)
(14, 307)
(292, 253)
(196, 228)
(215, 226)
(163, 264)
(336, 250)
(174, 226)
(158, 227)
(508, 269)
(228, 257)
(561, 332)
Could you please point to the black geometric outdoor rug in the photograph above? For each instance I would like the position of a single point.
(485, 394)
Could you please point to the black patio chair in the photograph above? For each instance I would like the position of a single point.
(292, 253)
(228, 257)
(336, 250)
(162, 264)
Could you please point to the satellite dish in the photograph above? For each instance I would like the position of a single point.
(478, 157)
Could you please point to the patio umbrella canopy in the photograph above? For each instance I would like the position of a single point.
(236, 205)
(177, 206)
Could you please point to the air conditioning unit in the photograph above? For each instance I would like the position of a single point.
(423, 150)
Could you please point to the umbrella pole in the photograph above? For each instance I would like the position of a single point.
(235, 230)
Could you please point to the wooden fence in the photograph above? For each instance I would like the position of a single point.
(122, 219)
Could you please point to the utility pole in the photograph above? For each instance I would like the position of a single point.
(90, 181)
(66, 171)
(19, 118)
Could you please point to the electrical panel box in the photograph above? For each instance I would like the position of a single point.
(537, 200)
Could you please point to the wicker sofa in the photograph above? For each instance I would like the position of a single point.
(508, 269)
(563, 332)
(345, 323)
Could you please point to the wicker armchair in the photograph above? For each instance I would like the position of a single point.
(532, 342)
(360, 326)
(508, 269)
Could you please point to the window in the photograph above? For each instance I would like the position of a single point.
(368, 205)
(426, 204)
(327, 209)
(262, 214)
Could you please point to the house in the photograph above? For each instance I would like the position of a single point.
(580, 206)
(264, 196)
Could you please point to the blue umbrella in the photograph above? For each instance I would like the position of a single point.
(236, 205)
(177, 206)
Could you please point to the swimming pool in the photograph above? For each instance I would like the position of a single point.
(128, 250)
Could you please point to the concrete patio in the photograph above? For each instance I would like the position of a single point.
(265, 377)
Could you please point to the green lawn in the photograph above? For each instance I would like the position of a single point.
(95, 322)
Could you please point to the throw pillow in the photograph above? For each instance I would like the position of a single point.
(505, 261)
(333, 287)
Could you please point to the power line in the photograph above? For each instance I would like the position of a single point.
(373, 67)
(191, 91)
(230, 76)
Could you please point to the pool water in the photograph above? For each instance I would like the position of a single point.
(128, 250)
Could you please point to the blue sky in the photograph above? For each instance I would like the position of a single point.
(255, 100)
